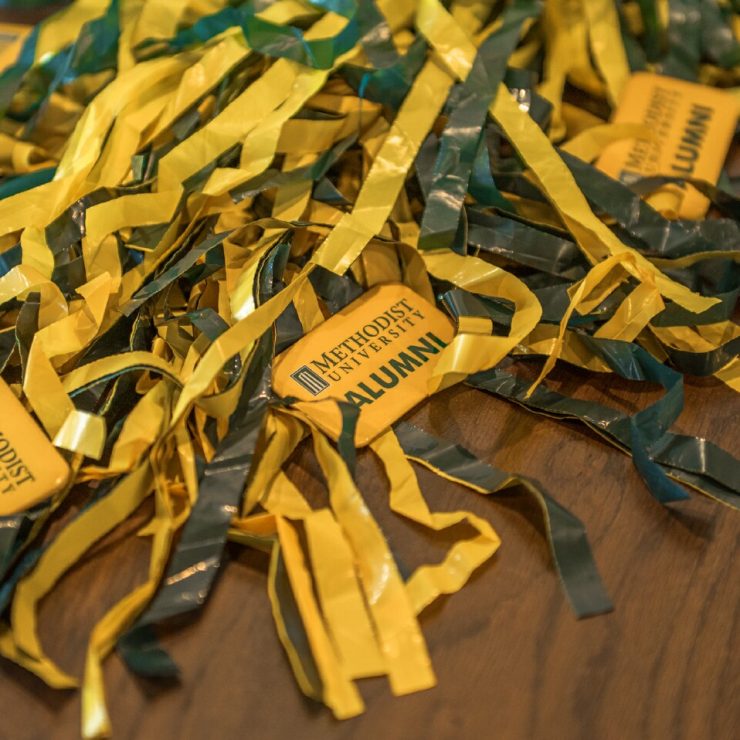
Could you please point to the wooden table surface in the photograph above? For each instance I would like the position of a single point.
(511, 660)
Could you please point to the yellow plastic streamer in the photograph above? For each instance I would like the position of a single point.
(333, 564)
(71, 543)
(359, 616)
(607, 45)
(401, 640)
(340, 694)
(430, 581)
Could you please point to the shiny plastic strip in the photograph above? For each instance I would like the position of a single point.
(198, 554)
(710, 469)
(401, 640)
(428, 582)
(565, 533)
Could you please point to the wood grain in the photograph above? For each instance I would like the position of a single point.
(29, 15)
(511, 660)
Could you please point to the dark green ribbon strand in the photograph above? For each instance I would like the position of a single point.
(459, 144)
(274, 40)
(696, 462)
(566, 534)
(197, 558)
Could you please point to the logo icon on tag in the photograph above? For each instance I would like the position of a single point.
(309, 380)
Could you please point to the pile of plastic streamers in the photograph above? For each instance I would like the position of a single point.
(190, 187)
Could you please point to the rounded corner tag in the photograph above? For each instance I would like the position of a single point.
(694, 126)
(31, 468)
(377, 353)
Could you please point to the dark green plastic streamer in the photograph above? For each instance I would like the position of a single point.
(674, 315)
(272, 178)
(482, 185)
(15, 185)
(518, 242)
(388, 85)
(566, 534)
(717, 38)
(12, 77)
(14, 532)
(275, 40)
(26, 326)
(346, 442)
(25, 564)
(651, 233)
(173, 273)
(684, 36)
(291, 618)
(94, 50)
(7, 346)
(17, 558)
(723, 199)
(197, 557)
(199, 552)
(654, 36)
(646, 429)
(704, 364)
(459, 144)
(375, 35)
(208, 322)
(697, 462)
(336, 291)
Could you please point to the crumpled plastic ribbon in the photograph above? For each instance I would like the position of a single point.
(188, 188)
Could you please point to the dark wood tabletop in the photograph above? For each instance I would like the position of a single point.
(28, 14)
(511, 660)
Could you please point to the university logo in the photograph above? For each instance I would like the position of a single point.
(312, 382)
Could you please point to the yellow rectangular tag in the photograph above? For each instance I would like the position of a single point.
(693, 126)
(31, 469)
(377, 353)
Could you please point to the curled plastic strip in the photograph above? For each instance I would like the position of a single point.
(428, 582)
(197, 557)
(183, 184)
(709, 468)
(566, 534)
(458, 144)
